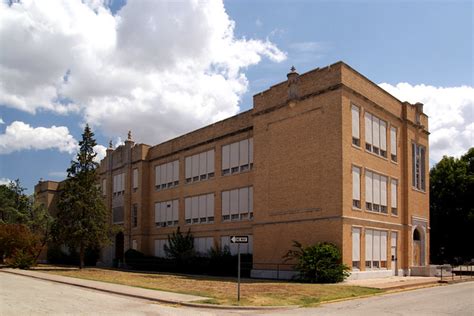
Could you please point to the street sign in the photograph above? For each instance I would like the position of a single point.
(239, 239)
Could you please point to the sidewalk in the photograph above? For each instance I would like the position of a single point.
(153, 295)
(395, 282)
(130, 291)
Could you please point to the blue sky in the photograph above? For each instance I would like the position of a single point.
(421, 51)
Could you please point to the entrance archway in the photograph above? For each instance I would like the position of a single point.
(418, 247)
(119, 245)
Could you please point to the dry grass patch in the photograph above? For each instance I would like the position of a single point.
(224, 290)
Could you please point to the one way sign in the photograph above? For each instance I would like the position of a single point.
(239, 239)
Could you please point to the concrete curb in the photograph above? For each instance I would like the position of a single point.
(160, 300)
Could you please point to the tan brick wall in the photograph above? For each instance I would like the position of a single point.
(302, 172)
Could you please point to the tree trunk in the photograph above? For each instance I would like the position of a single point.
(81, 256)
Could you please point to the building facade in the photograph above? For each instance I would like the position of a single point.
(323, 156)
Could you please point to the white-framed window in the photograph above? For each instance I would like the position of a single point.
(356, 248)
(356, 187)
(375, 249)
(202, 245)
(237, 204)
(134, 244)
(418, 167)
(393, 144)
(199, 209)
(233, 248)
(355, 125)
(200, 166)
(237, 157)
(394, 196)
(375, 135)
(160, 247)
(166, 213)
(135, 179)
(119, 184)
(167, 175)
(375, 192)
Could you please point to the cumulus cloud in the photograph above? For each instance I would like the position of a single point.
(21, 136)
(5, 181)
(100, 151)
(1, 121)
(450, 111)
(159, 68)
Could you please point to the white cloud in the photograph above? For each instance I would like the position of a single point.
(1, 121)
(159, 68)
(451, 115)
(5, 181)
(21, 136)
(101, 151)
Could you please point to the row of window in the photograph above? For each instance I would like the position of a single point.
(199, 209)
(166, 213)
(375, 134)
(237, 205)
(237, 157)
(203, 245)
(376, 250)
(200, 166)
(118, 184)
(167, 175)
(376, 142)
(375, 191)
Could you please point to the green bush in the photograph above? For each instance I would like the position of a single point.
(320, 263)
(22, 259)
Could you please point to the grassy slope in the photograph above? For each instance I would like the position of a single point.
(224, 290)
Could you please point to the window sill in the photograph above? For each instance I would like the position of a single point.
(237, 172)
(356, 147)
(376, 155)
(418, 190)
(356, 209)
(375, 212)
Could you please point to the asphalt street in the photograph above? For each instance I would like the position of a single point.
(21, 295)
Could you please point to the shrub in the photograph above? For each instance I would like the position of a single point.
(22, 259)
(180, 248)
(19, 245)
(320, 263)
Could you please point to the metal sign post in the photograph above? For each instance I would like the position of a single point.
(238, 272)
(238, 240)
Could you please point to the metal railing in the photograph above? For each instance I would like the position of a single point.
(456, 272)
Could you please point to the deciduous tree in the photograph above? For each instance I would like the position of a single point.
(452, 209)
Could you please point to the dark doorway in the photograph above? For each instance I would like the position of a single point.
(119, 245)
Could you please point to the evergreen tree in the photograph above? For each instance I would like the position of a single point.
(82, 221)
(180, 247)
